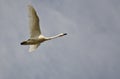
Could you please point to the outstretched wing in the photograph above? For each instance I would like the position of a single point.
(33, 47)
(33, 22)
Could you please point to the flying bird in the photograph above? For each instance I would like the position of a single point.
(36, 38)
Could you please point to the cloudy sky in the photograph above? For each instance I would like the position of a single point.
(91, 50)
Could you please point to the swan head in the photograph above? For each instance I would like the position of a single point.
(62, 34)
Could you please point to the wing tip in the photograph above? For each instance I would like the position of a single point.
(32, 49)
(29, 5)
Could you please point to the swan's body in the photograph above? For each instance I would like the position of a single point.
(35, 33)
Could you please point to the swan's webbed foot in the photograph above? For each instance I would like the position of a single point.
(24, 43)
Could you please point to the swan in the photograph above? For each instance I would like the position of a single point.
(36, 38)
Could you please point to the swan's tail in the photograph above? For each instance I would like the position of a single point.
(32, 47)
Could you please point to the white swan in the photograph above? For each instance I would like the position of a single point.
(35, 33)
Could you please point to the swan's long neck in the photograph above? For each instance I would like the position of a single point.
(56, 36)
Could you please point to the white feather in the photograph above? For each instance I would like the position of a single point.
(33, 47)
(35, 33)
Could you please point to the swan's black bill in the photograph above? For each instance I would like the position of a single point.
(65, 34)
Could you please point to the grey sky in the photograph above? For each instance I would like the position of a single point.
(91, 50)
